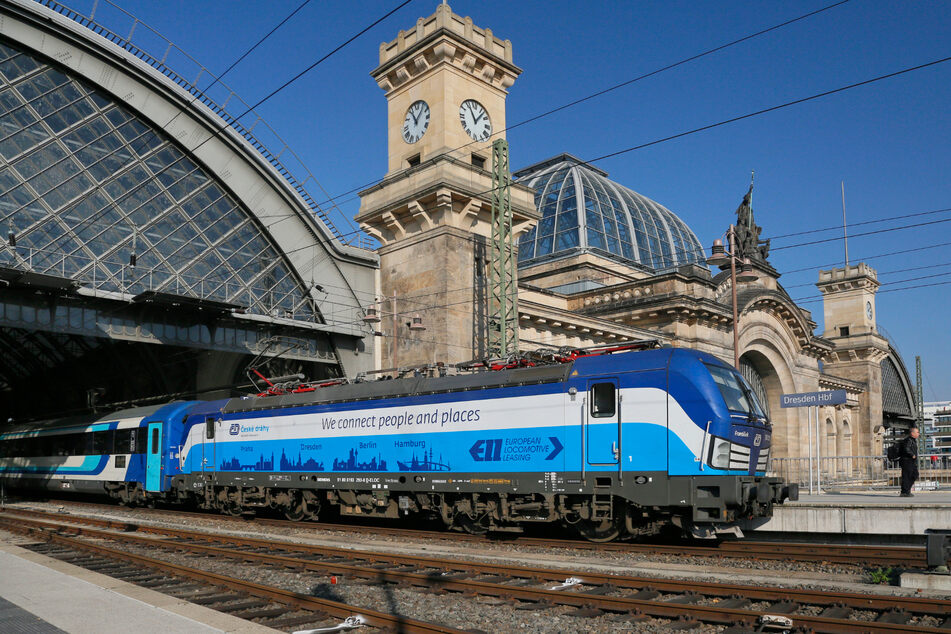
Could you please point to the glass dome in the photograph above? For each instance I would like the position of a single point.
(583, 210)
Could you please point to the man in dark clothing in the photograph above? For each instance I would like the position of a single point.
(908, 459)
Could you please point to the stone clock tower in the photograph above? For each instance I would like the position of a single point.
(445, 82)
(848, 298)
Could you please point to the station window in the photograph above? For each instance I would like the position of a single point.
(478, 161)
(413, 161)
(843, 331)
(603, 400)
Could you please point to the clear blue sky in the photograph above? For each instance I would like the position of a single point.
(890, 142)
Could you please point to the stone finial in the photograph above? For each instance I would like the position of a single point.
(443, 15)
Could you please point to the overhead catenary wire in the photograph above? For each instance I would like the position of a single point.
(622, 84)
(227, 124)
(880, 273)
(627, 272)
(870, 257)
(880, 292)
(731, 120)
(742, 117)
(147, 136)
(648, 144)
(865, 222)
(373, 298)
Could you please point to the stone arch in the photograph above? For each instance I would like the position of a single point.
(844, 441)
(829, 438)
(770, 347)
(777, 380)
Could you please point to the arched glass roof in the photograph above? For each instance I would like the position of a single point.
(583, 210)
(86, 183)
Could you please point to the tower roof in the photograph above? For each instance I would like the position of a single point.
(583, 210)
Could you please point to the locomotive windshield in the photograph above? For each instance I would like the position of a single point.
(736, 393)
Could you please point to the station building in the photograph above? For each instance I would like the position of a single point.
(153, 245)
(157, 245)
(598, 263)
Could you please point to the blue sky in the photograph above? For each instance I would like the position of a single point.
(890, 141)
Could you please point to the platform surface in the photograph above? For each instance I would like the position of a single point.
(871, 512)
(42, 595)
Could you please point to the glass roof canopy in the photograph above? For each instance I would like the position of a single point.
(86, 184)
(582, 210)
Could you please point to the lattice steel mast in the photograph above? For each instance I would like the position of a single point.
(503, 290)
(920, 408)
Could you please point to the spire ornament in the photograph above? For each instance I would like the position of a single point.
(748, 243)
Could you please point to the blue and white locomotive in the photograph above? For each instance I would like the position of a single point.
(618, 444)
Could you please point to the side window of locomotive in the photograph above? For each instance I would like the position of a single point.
(209, 428)
(603, 400)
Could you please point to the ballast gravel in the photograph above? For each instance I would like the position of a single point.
(479, 613)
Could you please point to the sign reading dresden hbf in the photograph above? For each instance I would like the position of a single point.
(814, 399)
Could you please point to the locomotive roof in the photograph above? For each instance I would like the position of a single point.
(80, 421)
(413, 386)
(408, 386)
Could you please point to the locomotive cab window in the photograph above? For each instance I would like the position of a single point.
(603, 400)
(737, 395)
(209, 427)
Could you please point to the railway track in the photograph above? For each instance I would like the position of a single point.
(269, 606)
(871, 556)
(591, 594)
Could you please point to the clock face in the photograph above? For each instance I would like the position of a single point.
(868, 309)
(475, 120)
(416, 122)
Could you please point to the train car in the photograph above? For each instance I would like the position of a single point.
(123, 454)
(615, 445)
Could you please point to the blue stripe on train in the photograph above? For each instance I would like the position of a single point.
(92, 465)
(538, 449)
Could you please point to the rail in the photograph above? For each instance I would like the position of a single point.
(259, 133)
(865, 472)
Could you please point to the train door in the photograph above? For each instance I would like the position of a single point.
(208, 446)
(153, 460)
(602, 433)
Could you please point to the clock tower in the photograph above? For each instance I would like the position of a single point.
(445, 83)
(848, 299)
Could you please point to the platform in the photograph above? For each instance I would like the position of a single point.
(41, 595)
(860, 513)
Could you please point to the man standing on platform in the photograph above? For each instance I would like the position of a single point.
(908, 459)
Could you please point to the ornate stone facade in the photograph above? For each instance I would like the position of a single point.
(611, 274)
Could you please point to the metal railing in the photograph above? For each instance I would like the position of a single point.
(109, 275)
(254, 134)
(864, 472)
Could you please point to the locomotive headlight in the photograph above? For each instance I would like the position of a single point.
(720, 454)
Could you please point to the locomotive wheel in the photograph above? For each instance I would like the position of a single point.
(231, 509)
(303, 506)
(603, 531)
(296, 513)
